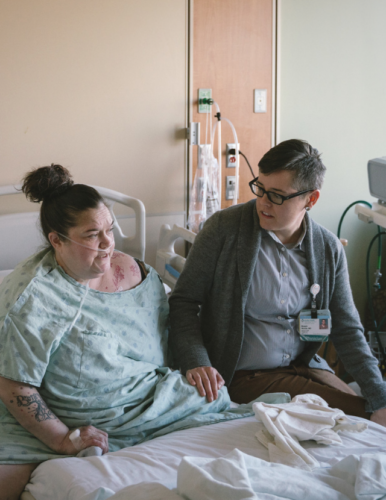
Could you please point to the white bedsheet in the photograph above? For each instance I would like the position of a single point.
(157, 461)
(238, 476)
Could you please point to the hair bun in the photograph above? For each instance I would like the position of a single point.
(46, 182)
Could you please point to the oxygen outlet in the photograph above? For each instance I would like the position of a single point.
(230, 187)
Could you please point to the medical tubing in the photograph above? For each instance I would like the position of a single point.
(218, 153)
(370, 299)
(219, 163)
(237, 160)
(217, 106)
(210, 129)
(379, 229)
(85, 246)
(213, 131)
(206, 126)
(347, 209)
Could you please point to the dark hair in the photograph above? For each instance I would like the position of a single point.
(298, 157)
(62, 200)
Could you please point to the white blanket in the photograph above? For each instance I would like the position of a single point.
(238, 476)
(306, 417)
(154, 464)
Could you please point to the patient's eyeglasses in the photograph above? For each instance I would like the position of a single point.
(275, 198)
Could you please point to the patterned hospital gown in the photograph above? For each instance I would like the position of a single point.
(97, 358)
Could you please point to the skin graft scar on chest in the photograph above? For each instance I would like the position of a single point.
(119, 275)
(135, 270)
(36, 407)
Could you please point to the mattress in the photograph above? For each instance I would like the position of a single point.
(157, 461)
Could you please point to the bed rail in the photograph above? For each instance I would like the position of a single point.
(169, 264)
(26, 225)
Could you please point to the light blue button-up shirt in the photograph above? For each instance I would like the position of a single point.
(278, 292)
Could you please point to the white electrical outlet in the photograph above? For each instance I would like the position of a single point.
(231, 159)
(260, 101)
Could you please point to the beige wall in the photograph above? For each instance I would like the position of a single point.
(332, 93)
(98, 86)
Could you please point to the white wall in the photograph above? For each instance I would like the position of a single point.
(332, 93)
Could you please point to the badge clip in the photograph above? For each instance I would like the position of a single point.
(315, 289)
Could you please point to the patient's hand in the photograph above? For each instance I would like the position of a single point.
(89, 436)
(208, 381)
(379, 417)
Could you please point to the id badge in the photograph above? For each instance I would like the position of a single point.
(314, 329)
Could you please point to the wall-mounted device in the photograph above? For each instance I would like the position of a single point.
(376, 170)
(204, 94)
(230, 187)
(194, 133)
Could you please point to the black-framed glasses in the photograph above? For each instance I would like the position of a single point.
(275, 198)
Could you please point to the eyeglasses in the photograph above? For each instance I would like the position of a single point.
(275, 198)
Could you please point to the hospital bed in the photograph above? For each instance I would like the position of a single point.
(151, 470)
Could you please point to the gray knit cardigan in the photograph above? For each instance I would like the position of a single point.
(208, 303)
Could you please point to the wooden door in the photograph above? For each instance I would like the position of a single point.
(232, 53)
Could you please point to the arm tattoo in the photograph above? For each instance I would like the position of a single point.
(36, 406)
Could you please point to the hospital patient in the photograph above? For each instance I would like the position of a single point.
(83, 342)
(235, 307)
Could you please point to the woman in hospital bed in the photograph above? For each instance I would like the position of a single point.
(83, 342)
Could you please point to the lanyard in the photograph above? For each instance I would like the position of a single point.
(315, 289)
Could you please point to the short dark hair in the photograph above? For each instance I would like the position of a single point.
(62, 201)
(298, 157)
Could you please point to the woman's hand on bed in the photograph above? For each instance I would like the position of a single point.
(89, 436)
(379, 417)
(207, 380)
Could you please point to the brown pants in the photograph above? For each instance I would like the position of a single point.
(250, 384)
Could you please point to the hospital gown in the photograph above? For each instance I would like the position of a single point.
(97, 358)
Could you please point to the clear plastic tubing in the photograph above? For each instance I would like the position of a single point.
(105, 250)
(219, 154)
(218, 123)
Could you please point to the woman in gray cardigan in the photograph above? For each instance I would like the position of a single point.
(247, 277)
